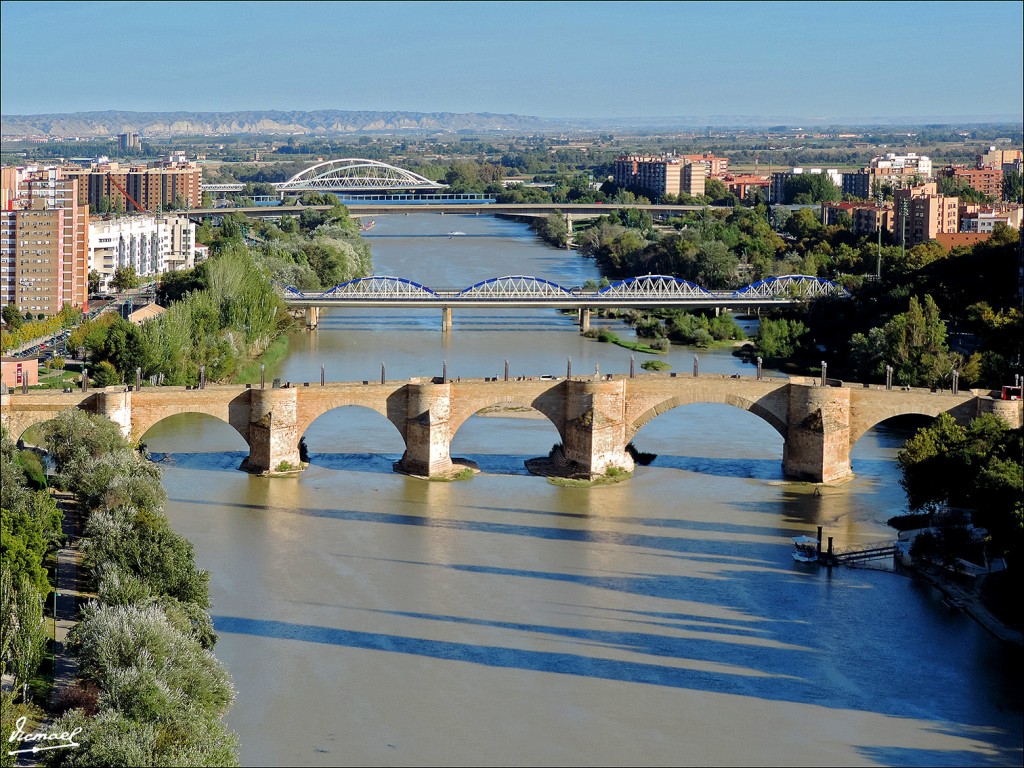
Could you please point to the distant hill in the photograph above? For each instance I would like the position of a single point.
(334, 121)
(162, 124)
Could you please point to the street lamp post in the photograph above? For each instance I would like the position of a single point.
(878, 223)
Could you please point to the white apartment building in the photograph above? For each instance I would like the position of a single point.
(909, 163)
(152, 244)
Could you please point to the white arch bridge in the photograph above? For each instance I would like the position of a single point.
(519, 291)
(356, 175)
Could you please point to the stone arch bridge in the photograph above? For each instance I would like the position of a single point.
(596, 417)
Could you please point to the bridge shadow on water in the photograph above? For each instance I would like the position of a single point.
(741, 626)
(756, 657)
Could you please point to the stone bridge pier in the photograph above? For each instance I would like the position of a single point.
(273, 435)
(817, 447)
(594, 430)
(427, 430)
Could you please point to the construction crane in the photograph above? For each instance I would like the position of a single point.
(124, 192)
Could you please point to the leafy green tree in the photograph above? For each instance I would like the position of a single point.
(12, 317)
(779, 341)
(811, 188)
(951, 186)
(554, 230)
(125, 278)
(1013, 187)
(142, 543)
(715, 265)
(976, 467)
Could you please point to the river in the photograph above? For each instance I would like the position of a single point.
(370, 618)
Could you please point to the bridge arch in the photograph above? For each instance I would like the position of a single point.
(356, 174)
(322, 401)
(145, 414)
(360, 429)
(763, 410)
(514, 286)
(865, 420)
(382, 287)
(654, 286)
(788, 286)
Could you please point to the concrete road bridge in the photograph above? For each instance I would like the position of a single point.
(596, 417)
(519, 291)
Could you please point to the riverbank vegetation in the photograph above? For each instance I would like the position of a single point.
(967, 482)
(30, 531)
(226, 312)
(149, 691)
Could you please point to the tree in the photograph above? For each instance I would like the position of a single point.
(94, 281)
(12, 317)
(951, 186)
(815, 187)
(1013, 187)
(715, 190)
(715, 265)
(125, 278)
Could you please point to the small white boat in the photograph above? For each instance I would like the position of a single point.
(806, 549)
(453, 234)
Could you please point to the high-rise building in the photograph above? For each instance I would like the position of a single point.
(664, 175)
(171, 183)
(713, 166)
(999, 158)
(922, 213)
(129, 142)
(44, 244)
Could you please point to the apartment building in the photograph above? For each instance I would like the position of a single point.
(988, 181)
(713, 166)
(170, 183)
(43, 243)
(129, 142)
(910, 164)
(666, 175)
(922, 213)
(865, 217)
(150, 244)
(1000, 158)
(744, 184)
(983, 218)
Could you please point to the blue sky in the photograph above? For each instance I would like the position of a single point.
(547, 59)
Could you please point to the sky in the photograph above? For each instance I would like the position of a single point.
(544, 59)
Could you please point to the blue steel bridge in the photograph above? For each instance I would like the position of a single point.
(519, 291)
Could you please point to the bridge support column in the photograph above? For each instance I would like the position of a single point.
(446, 319)
(594, 438)
(427, 436)
(273, 438)
(116, 406)
(817, 446)
(312, 317)
(569, 232)
(584, 316)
